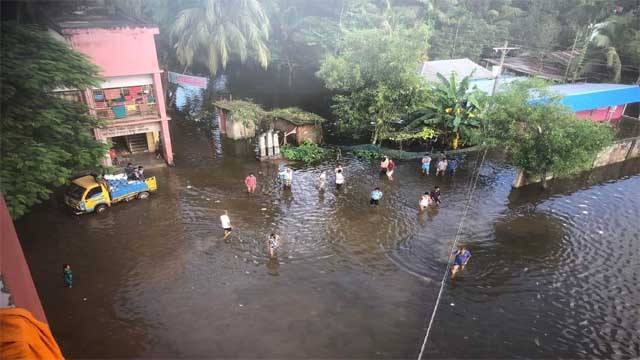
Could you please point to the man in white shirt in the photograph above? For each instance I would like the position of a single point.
(226, 224)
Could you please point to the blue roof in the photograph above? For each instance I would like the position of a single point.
(579, 97)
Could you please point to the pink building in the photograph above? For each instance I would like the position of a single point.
(131, 98)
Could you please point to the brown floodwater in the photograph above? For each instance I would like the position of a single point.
(554, 274)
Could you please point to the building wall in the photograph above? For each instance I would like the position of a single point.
(237, 130)
(118, 51)
(602, 114)
(309, 132)
(127, 57)
(14, 268)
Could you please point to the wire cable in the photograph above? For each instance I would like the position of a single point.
(453, 247)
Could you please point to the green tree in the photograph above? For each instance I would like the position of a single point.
(212, 32)
(43, 138)
(543, 136)
(374, 72)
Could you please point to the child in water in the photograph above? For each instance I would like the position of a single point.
(426, 164)
(339, 179)
(425, 201)
(460, 261)
(322, 180)
(376, 195)
(272, 244)
(67, 275)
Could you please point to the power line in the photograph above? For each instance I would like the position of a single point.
(504, 50)
(446, 272)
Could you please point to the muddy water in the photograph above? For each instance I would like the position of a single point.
(553, 274)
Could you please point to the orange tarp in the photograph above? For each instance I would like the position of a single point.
(24, 337)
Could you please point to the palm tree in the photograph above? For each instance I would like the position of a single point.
(617, 41)
(211, 32)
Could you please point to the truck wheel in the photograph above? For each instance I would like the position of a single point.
(101, 208)
(143, 195)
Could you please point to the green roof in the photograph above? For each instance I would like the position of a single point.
(297, 116)
(241, 110)
(247, 110)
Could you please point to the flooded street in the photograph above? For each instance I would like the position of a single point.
(553, 274)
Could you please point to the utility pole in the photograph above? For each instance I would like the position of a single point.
(573, 49)
(505, 49)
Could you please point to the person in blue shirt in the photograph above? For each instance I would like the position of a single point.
(461, 259)
(67, 275)
(376, 195)
(452, 165)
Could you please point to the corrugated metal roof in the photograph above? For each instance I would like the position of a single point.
(552, 65)
(571, 89)
(587, 96)
(462, 67)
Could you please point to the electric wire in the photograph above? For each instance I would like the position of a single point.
(453, 247)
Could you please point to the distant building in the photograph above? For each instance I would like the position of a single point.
(131, 98)
(462, 67)
(551, 66)
(598, 102)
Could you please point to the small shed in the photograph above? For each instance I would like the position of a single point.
(237, 119)
(297, 124)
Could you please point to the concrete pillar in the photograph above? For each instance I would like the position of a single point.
(166, 143)
(164, 120)
(263, 147)
(269, 143)
(222, 122)
(159, 94)
(276, 145)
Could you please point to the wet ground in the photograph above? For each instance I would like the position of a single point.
(553, 274)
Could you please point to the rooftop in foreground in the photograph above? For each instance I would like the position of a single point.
(92, 18)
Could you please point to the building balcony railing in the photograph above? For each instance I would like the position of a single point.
(127, 112)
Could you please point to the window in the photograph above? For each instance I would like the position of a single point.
(94, 192)
(75, 191)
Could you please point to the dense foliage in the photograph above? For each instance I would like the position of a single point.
(605, 33)
(542, 136)
(308, 152)
(374, 72)
(44, 138)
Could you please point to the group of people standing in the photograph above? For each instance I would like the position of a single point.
(134, 173)
(387, 168)
(443, 165)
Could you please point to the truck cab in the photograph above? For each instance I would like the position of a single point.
(87, 194)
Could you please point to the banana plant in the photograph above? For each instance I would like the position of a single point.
(452, 109)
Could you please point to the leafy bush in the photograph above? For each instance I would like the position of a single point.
(307, 152)
(366, 154)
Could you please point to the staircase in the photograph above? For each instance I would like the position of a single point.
(137, 143)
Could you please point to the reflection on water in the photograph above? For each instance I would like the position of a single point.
(553, 274)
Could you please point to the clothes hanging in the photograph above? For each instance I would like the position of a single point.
(111, 94)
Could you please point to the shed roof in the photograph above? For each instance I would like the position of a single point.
(297, 116)
(589, 96)
(462, 67)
